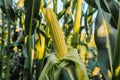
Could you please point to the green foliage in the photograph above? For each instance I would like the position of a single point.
(31, 12)
(7, 8)
(109, 6)
(8, 2)
(116, 58)
(28, 51)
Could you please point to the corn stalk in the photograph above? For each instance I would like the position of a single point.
(28, 27)
(2, 46)
(52, 69)
(77, 25)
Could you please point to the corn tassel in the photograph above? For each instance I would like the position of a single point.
(57, 34)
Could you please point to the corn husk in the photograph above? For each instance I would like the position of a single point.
(53, 67)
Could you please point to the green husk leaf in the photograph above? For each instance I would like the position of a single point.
(53, 67)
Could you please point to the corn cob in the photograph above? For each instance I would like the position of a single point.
(40, 47)
(57, 34)
(77, 24)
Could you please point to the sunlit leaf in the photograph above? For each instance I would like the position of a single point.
(105, 45)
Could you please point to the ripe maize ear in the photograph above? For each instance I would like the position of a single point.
(57, 34)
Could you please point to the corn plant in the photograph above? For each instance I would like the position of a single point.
(59, 40)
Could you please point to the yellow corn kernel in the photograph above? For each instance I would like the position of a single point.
(56, 32)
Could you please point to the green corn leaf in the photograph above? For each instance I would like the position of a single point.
(110, 6)
(116, 58)
(54, 66)
(104, 35)
(31, 12)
